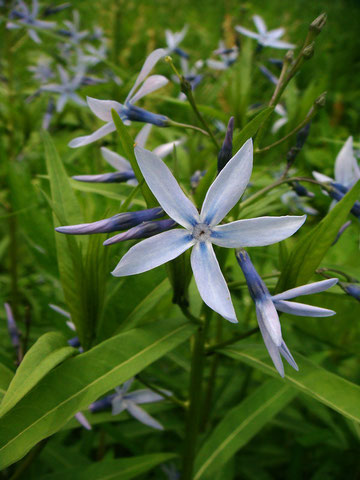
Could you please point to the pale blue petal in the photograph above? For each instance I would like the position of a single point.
(228, 186)
(259, 24)
(80, 417)
(285, 352)
(144, 396)
(279, 44)
(301, 309)
(166, 148)
(118, 405)
(102, 108)
(216, 64)
(347, 172)
(270, 319)
(149, 64)
(270, 345)
(115, 160)
(320, 177)
(256, 232)
(210, 281)
(247, 32)
(276, 33)
(163, 185)
(143, 416)
(154, 251)
(85, 140)
(142, 136)
(151, 84)
(315, 287)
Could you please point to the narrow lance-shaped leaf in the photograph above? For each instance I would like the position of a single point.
(326, 387)
(239, 426)
(310, 250)
(76, 383)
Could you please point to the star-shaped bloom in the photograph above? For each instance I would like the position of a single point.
(128, 111)
(173, 39)
(27, 17)
(130, 401)
(66, 89)
(263, 36)
(192, 75)
(124, 171)
(73, 29)
(268, 305)
(202, 230)
(227, 57)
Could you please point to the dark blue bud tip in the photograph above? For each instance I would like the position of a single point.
(353, 290)
(225, 153)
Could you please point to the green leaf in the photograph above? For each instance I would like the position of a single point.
(312, 247)
(239, 139)
(326, 387)
(113, 191)
(6, 376)
(81, 380)
(240, 425)
(49, 351)
(120, 469)
(127, 144)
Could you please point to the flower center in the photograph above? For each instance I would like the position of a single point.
(201, 232)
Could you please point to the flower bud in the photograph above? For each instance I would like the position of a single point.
(308, 51)
(12, 328)
(225, 153)
(321, 100)
(352, 289)
(301, 191)
(144, 230)
(114, 177)
(341, 231)
(318, 24)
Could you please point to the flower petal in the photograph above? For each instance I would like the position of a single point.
(276, 33)
(216, 64)
(315, 287)
(80, 417)
(143, 416)
(85, 140)
(321, 178)
(278, 124)
(115, 160)
(210, 281)
(247, 32)
(259, 24)
(270, 345)
(285, 352)
(228, 186)
(163, 185)
(154, 251)
(278, 44)
(346, 167)
(149, 64)
(301, 309)
(150, 85)
(256, 232)
(166, 148)
(144, 396)
(102, 108)
(142, 136)
(266, 310)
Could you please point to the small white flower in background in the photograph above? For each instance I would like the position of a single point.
(192, 74)
(267, 306)
(295, 203)
(122, 165)
(227, 57)
(66, 89)
(26, 17)
(73, 29)
(130, 401)
(173, 39)
(347, 171)
(264, 37)
(280, 110)
(202, 230)
(42, 71)
(127, 111)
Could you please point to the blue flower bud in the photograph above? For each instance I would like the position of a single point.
(196, 177)
(113, 177)
(257, 288)
(302, 135)
(301, 190)
(144, 230)
(341, 231)
(121, 221)
(270, 76)
(353, 290)
(225, 153)
(138, 114)
(12, 327)
(277, 62)
(74, 342)
(102, 404)
(181, 52)
(338, 191)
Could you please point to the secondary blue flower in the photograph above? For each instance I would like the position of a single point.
(27, 18)
(296, 203)
(173, 39)
(227, 57)
(129, 401)
(128, 111)
(12, 327)
(264, 37)
(124, 171)
(121, 221)
(202, 230)
(267, 305)
(347, 173)
(73, 29)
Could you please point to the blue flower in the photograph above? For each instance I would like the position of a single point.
(173, 39)
(264, 37)
(227, 57)
(128, 111)
(202, 230)
(129, 401)
(124, 172)
(267, 305)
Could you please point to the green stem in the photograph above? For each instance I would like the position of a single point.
(186, 126)
(195, 400)
(236, 338)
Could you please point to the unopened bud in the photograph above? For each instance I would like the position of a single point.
(318, 24)
(321, 100)
(353, 290)
(225, 153)
(289, 56)
(308, 51)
